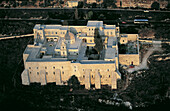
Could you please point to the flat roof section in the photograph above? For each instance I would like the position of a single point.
(95, 24)
(110, 53)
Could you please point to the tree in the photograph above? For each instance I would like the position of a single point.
(98, 41)
(146, 32)
(89, 15)
(80, 4)
(168, 6)
(109, 3)
(74, 82)
(166, 47)
(94, 5)
(162, 32)
(155, 5)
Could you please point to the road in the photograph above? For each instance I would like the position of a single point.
(95, 9)
(19, 36)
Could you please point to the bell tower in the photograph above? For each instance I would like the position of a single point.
(63, 49)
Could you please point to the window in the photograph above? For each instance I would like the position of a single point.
(123, 40)
(37, 73)
(101, 76)
(37, 67)
(46, 73)
(29, 67)
(52, 32)
(30, 72)
(55, 32)
(54, 73)
(74, 70)
(107, 33)
(111, 33)
(89, 29)
(74, 66)
(45, 67)
(63, 53)
(63, 32)
(90, 40)
(92, 76)
(62, 67)
(109, 76)
(53, 67)
(63, 72)
(83, 76)
(60, 32)
(63, 47)
(83, 69)
(107, 69)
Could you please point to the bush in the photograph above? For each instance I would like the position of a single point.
(155, 5)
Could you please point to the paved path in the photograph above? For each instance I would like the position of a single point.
(19, 36)
(143, 65)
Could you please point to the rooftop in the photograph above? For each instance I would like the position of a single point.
(109, 27)
(95, 24)
(110, 53)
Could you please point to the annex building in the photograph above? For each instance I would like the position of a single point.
(59, 52)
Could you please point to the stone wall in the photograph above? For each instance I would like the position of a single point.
(127, 59)
(69, 69)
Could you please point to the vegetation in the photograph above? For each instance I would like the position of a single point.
(80, 4)
(166, 47)
(19, 28)
(162, 33)
(109, 3)
(146, 32)
(149, 87)
(98, 41)
(74, 82)
(155, 5)
(122, 48)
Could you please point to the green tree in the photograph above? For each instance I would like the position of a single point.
(146, 32)
(162, 32)
(98, 41)
(168, 6)
(166, 47)
(94, 5)
(155, 5)
(110, 3)
(89, 15)
(74, 82)
(80, 4)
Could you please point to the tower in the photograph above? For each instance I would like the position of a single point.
(63, 49)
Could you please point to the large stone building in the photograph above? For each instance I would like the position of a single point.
(141, 3)
(71, 4)
(59, 52)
